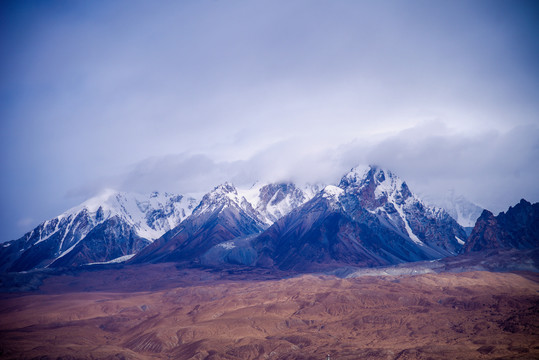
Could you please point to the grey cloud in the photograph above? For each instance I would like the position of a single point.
(494, 169)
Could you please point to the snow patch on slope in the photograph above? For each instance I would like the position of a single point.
(118, 260)
(332, 192)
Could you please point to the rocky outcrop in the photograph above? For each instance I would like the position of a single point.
(518, 228)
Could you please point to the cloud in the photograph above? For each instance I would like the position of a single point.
(25, 223)
(492, 168)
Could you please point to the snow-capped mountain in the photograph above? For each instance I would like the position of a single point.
(220, 227)
(117, 225)
(273, 201)
(122, 224)
(150, 215)
(383, 193)
(461, 209)
(370, 219)
(222, 215)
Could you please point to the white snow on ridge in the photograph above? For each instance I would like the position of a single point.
(228, 245)
(44, 226)
(150, 215)
(114, 261)
(66, 252)
(459, 240)
(93, 204)
(281, 203)
(389, 186)
(358, 173)
(214, 199)
(332, 192)
(252, 195)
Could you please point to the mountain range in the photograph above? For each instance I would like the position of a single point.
(370, 218)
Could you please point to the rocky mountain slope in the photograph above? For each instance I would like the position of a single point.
(275, 200)
(370, 219)
(115, 226)
(101, 229)
(221, 226)
(222, 215)
(518, 228)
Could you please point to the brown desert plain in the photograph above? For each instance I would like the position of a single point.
(162, 312)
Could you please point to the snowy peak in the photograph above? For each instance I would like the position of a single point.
(99, 228)
(150, 215)
(390, 186)
(357, 176)
(370, 219)
(384, 194)
(372, 176)
(221, 196)
(275, 200)
(375, 186)
(461, 209)
(332, 194)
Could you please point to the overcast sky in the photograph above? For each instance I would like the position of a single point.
(182, 95)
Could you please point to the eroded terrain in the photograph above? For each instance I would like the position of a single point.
(199, 315)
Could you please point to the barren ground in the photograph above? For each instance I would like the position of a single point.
(198, 315)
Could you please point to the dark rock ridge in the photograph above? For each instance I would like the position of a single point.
(518, 228)
(371, 219)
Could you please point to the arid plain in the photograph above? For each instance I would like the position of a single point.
(167, 313)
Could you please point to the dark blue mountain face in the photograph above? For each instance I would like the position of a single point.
(109, 240)
(325, 233)
(195, 236)
(518, 228)
(384, 194)
(41, 246)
